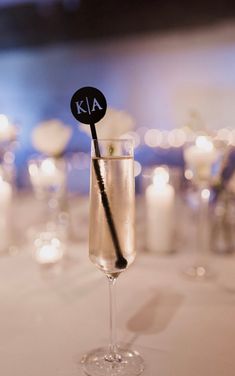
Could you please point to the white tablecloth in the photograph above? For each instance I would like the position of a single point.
(49, 318)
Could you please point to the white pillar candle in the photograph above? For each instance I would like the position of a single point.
(200, 158)
(5, 208)
(160, 197)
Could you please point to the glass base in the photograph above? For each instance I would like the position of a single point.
(126, 363)
(199, 272)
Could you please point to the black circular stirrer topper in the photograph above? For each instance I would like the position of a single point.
(88, 105)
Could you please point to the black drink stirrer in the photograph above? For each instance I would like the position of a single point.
(121, 262)
(88, 105)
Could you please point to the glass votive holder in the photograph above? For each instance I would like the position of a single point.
(48, 179)
(47, 176)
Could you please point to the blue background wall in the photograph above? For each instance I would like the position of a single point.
(157, 79)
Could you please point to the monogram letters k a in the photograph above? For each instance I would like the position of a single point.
(86, 107)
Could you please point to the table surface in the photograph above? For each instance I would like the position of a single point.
(49, 318)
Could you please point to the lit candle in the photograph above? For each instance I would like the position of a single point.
(46, 174)
(7, 131)
(200, 158)
(5, 208)
(160, 197)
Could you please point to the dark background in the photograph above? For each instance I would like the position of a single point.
(25, 23)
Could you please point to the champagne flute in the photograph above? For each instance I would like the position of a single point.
(111, 243)
(203, 159)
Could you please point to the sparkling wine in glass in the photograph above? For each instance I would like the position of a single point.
(111, 243)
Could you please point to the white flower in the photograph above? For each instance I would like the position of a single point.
(51, 137)
(114, 124)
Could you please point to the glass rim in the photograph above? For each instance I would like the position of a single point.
(126, 147)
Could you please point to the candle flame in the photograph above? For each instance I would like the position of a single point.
(205, 193)
(160, 177)
(48, 166)
(188, 174)
(33, 169)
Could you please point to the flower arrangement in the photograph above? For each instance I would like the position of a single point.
(51, 137)
(114, 125)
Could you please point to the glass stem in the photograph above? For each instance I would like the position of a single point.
(112, 356)
(203, 226)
